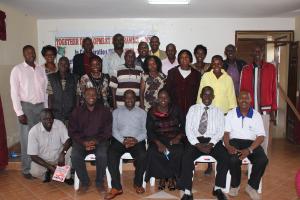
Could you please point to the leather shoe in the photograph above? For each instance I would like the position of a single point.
(113, 193)
(219, 194)
(187, 197)
(28, 176)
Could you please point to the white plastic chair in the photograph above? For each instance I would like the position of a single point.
(210, 159)
(90, 157)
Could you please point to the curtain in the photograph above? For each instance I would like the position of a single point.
(3, 143)
(2, 26)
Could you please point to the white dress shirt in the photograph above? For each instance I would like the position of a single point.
(215, 123)
(28, 84)
(245, 128)
(47, 145)
(111, 62)
(167, 65)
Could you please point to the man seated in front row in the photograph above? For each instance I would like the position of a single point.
(204, 130)
(48, 143)
(129, 134)
(90, 128)
(244, 134)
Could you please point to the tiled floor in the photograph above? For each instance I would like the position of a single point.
(278, 182)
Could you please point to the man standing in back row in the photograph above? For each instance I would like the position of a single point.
(259, 79)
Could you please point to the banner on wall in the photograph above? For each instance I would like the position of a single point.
(68, 44)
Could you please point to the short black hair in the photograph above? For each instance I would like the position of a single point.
(207, 88)
(230, 46)
(200, 46)
(163, 90)
(118, 35)
(27, 47)
(86, 39)
(154, 36)
(217, 57)
(129, 91)
(187, 52)
(95, 57)
(49, 48)
(45, 111)
(157, 61)
(64, 58)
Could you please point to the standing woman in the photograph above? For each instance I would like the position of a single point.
(49, 53)
(96, 79)
(200, 53)
(183, 81)
(152, 81)
(165, 132)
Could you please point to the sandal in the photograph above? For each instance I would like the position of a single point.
(162, 184)
(172, 185)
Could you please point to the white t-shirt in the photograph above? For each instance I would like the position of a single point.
(47, 145)
(246, 128)
(184, 73)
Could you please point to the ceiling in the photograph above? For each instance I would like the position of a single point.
(61, 9)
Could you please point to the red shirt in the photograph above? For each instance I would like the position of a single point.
(268, 89)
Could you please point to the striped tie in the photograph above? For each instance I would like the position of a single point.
(203, 122)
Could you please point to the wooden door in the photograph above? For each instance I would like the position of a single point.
(293, 124)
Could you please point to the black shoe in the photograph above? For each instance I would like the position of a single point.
(162, 184)
(47, 177)
(187, 197)
(69, 181)
(28, 176)
(219, 194)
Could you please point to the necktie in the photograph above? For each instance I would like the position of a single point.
(203, 122)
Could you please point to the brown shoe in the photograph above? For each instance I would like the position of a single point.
(113, 193)
(139, 190)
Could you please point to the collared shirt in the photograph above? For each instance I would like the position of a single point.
(47, 145)
(27, 84)
(129, 123)
(125, 78)
(246, 128)
(215, 123)
(225, 98)
(87, 125)
(233, 71)
(167, 65)
(159, 53)
(111, 62)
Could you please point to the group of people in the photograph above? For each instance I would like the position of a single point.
(163, 109)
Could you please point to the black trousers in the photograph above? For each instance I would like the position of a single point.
(115, 151)
(78, 155)
(191, 154)
(258, 159)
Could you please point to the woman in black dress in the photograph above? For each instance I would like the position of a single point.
(165, 131)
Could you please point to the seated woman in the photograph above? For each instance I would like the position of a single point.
(96, 79)
(165, 131)
(152, 81)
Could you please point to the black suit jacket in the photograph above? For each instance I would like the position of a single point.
(78, 66)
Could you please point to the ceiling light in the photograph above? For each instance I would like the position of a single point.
(169, 1)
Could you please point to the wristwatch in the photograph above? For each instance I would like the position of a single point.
(65, 152)
(250, 150)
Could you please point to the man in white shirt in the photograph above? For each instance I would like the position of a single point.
(171, 61)
(28, 83)
(48, 144)
(204, 130)
(244, 134)
(112, 60)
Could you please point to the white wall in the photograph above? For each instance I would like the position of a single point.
(21, 30)
(185, 33)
